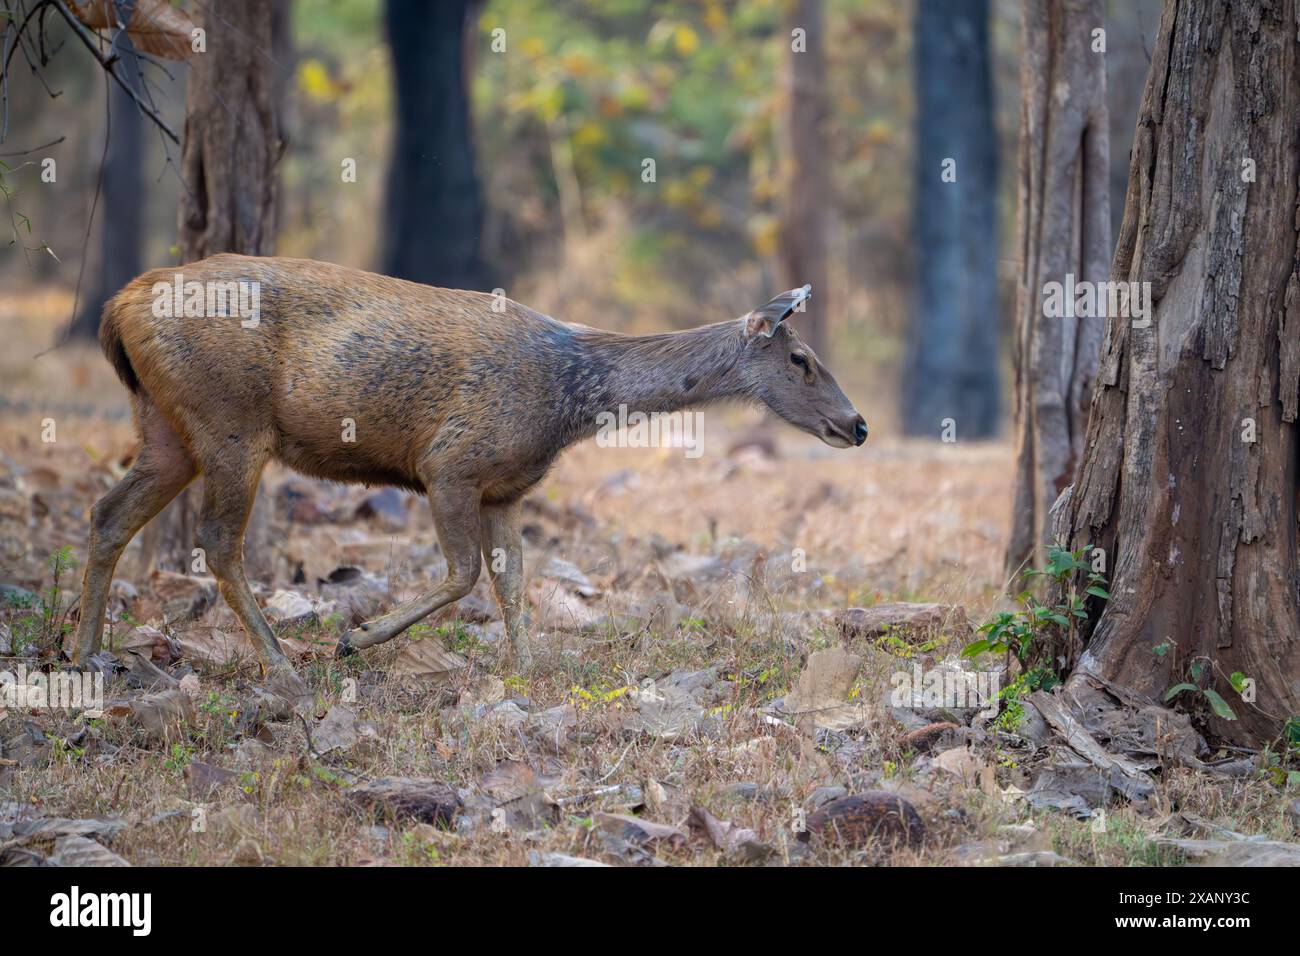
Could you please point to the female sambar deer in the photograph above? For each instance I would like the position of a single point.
(356, 377)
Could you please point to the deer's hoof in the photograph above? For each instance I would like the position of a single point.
(344, 648)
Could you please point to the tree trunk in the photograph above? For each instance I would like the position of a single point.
(432, 208)
(1063, 231)
(122, 199)
(231, 141)
(230, 148)
(805, 167)
(951, 370)
(1189, 478)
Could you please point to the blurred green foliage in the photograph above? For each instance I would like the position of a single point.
(565, 115)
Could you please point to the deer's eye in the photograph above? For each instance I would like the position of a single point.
(799, 359)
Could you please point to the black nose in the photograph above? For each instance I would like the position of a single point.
(860, 431)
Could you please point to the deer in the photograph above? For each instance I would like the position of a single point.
(349, 376)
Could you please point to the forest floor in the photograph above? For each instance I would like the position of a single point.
(699, 689)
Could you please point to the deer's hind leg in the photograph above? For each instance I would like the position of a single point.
(162, 470)
(503, 552)
(229, 487)
(456, 518)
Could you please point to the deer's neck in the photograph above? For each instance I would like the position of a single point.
(652, 373)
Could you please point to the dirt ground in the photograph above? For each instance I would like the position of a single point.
(680, 606)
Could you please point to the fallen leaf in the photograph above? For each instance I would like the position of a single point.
(821, 694)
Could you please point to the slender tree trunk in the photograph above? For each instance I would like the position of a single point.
(1189, 479)
(951, 370)
(231, 140)
(1064, 237)
(230, 148)
(805, 166)
(122, 199)
(433, 210)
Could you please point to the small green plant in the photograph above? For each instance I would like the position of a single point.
(516, 685)
(896, 646)
(65, 752)
(221, 717)
(419, 852)
(1195, 673)
(46, 622)
(1213, 697)
(1012, 697)
(179, 758)
(585, 698)
(458, 637)
(1045, 636)
(1280, 764)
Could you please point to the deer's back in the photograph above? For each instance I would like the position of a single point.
(349, 375)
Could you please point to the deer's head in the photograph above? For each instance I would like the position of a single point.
(789, 378)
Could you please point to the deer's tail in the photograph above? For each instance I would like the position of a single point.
(110, 340)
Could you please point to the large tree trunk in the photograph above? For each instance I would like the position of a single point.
(122, 199)
(1063, 231)
(805, 168)
(433, 210)
(951, 370)
(230, 148)
(1198, 522)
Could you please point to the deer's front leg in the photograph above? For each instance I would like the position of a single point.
(456, 518)
(503, 550)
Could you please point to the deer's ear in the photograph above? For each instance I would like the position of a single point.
(764, 320)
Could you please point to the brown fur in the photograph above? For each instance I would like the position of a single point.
(448, 397)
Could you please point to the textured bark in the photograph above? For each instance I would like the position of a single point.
(231, 141)
(1063, 230)
(433, 210)
(805, 169)
(121, 211)
(1198, 525)
(951, 370)
(230, 148)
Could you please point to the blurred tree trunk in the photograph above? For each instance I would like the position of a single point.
(1130, 31)
(1189, 479)
(951, 367)
(230, 148)
(1063, 230)
(121, 199)
(805, 166)
(433, 211)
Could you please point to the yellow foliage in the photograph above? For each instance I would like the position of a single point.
(678, 192)
(685, 40)
(764, 231)
(700, 176)
(634, 96)
(880, 133)
(315, 82)
(714, 17)
(709, 216)
(589, 134)
(577, 64)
